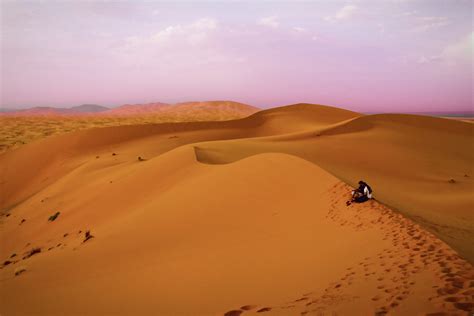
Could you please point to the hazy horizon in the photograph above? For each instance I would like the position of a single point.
(396, 56)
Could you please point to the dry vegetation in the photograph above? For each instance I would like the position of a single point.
(19, 130)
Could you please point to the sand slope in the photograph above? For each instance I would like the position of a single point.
(240, 217)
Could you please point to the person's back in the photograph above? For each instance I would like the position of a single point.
(366, 189)
(362, 193)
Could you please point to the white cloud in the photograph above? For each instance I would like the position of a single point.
(381, 28)
(426, 23)
(409, 13)
(456, 53)
(299, 29)
(206, 23)
(164, 35)
(193, 33)
(269, 21)
(459, 51)
(428, 59)
(343, 14)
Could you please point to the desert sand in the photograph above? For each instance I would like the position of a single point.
(242, 217)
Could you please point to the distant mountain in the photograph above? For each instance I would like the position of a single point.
(89, 108)
(436, 113)
(449, 114)
(136, 109)
(3, 110)
(211, 110)
(52, 111)
(186, 111)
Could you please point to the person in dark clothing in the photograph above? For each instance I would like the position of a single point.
(361, 194)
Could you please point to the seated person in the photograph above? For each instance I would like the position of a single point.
(362, 193)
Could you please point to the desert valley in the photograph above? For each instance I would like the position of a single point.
(243, 216)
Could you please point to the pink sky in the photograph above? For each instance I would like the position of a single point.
(372, 56)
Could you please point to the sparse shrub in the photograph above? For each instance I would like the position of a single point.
(32, 252)
(53, 217)
(88, 236)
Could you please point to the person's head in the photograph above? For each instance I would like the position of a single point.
(361, 182)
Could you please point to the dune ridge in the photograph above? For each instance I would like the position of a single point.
(242, 217)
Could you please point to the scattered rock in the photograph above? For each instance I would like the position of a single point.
(96, 157)
(65, 235)
(114, 154)
(53, 217)
(13, 255)
(265, 309)
(7, 215)
(452, 181)
(141, 159)
(7, 262)
(22, 221)
(466, 176)
(88, 236)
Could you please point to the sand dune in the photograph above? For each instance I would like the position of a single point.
(242, 217)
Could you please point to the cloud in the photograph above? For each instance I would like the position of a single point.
(381, 28)
(269, 21)
(193, 33)
(456, 53)
(299, 29)
(343, 14)
(459, 51)
(409, 13)
(428, 59)
(426, 23)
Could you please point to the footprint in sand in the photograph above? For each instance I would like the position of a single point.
(235, 312)
(248, 307)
